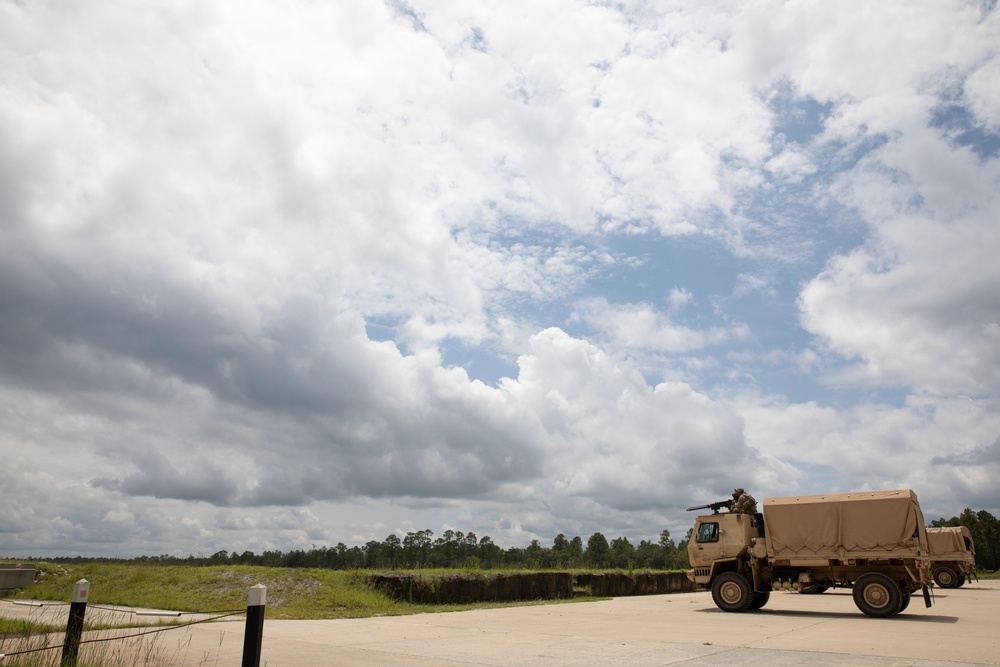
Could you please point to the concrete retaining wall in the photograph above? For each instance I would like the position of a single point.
(459, 588)
(510, 587)
(618, 584)
(17, 575)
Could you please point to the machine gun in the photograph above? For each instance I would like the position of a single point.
(715, 507)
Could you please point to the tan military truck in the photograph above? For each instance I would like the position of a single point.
(873, 542)
(953, 555)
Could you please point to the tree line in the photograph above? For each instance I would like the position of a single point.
(985, 529)
(454, 550)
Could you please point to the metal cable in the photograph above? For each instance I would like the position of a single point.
(132, 636)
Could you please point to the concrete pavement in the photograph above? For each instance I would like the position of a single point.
(680, 629)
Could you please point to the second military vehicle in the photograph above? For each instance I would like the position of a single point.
(873, 542)
(953, 555)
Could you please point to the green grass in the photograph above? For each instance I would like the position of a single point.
(17, 626)
(292, 593)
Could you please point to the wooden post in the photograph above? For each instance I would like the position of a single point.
(74, 626)
(252, 638)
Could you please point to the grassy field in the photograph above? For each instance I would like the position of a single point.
(291, 593)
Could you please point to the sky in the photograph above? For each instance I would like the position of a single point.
(283, 275)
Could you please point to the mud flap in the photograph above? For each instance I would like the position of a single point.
(927, 597)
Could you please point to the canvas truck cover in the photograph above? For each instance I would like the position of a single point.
(829, 525)
(954, 542)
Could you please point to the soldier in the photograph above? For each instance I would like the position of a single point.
(743, 502)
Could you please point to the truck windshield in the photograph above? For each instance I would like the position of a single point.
(708, 532)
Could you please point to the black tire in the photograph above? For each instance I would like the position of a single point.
(877, 595)
(961, 581)
(904, 603)
(813, 589)
(732, 592)
(945, 577)
(759, 599)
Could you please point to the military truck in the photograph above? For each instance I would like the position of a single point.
(953, 555)
(873, 542)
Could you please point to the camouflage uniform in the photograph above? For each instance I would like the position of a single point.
(743, 502)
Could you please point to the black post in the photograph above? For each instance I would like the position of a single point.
(252, 638)
(74, 627)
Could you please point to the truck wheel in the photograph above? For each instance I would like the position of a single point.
(877, 595)
(905, 597)
(731, 592)
(945, 577)
(961, 582)
(759, 599)
(813, 589)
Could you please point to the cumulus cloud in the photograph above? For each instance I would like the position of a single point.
(640, 326)
(933, 445)
(253, 258)
(981, 90)
(917, 306)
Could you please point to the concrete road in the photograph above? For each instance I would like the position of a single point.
(681, 629)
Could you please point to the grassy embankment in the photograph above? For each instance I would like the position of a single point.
(292, 593)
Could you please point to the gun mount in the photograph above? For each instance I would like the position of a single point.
(715, 507)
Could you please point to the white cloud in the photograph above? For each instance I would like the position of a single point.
(828, 51)
(791, 165)
(918, 306)
(206, 208)
(678, 297)
(934, 445)
(613, 437)
(747, 284)
(982, 89)
(640, 326)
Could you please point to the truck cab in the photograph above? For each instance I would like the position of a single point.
(719, 542)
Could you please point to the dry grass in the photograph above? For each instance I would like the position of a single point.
(106, 648)
(292, 593)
